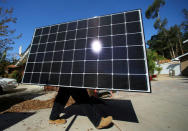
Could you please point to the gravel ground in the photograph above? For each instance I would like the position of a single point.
(165, 109)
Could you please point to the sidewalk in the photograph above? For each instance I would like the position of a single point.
(165, 109)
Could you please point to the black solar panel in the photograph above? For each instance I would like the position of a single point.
(105, 52)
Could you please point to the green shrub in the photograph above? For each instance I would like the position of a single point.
(153, 57)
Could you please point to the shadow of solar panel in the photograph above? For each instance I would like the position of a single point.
(104, 52)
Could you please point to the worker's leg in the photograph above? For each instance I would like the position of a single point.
(81, 97)
(59, 103)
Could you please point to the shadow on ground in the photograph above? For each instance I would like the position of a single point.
(8, 101)
(11, 118)
(14, 91)
(119, 109)
(184, 80)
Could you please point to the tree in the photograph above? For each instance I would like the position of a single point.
(168, 43)
(153, 10)
(7, 35)
(175, 36)
(3, 56)
(167, 39)
(185, 28)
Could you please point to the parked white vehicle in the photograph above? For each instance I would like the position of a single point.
(7, 84)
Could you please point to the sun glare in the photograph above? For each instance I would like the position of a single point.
(96, 46)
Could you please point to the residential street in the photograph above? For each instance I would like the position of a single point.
(165, 109)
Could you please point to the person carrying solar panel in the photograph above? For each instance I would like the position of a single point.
(81, 97)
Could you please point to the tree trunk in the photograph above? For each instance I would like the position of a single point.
(163, 53)
(173, 54)
(170, 53)
(177, 49)
(180, 43)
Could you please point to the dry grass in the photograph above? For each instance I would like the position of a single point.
(29, 105)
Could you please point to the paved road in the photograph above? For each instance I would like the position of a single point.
(165, 109)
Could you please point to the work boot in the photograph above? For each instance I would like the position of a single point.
(58, 121)
(105, 122)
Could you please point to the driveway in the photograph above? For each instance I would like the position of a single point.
(165, 109)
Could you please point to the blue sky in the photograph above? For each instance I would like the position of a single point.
(36, 13)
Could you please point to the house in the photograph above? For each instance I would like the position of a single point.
(183, 63)
(169, 66)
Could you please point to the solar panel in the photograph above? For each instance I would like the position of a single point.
(104, 52)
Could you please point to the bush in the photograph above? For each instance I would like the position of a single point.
(16, 75)
(153, 57)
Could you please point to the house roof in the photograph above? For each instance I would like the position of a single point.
(178, 58)
(186, 41)
(11, 66)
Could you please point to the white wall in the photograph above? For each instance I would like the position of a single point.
(168, 66)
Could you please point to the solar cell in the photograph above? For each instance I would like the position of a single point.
(105, 52)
